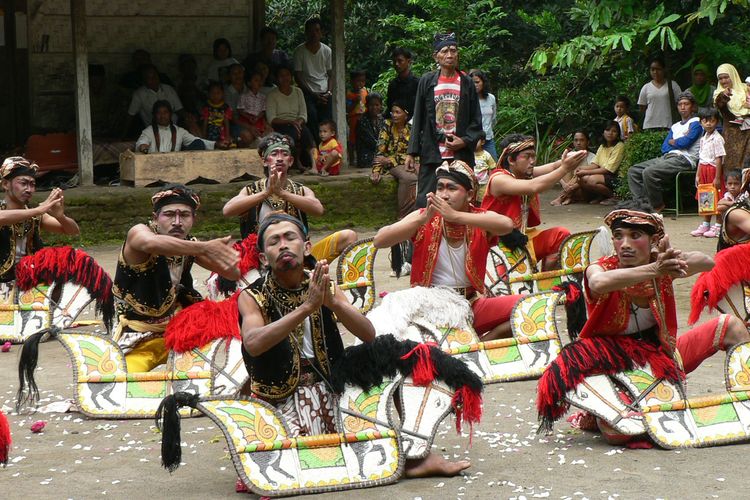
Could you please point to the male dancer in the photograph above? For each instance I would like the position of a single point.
(632, 312)
(19, 224)
(153, 278)
(290, 339)
(451, 241)
(277, 192)
(513, 190)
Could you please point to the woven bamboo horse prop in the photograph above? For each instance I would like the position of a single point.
(368, 450)
(208, 361)
(511, 271)
(441, 316)
(661, 408)
(354, 272)
(52, 287)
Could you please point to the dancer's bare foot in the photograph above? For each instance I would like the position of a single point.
(557, 201)
(434, 465)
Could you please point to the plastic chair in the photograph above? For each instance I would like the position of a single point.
(677, 197)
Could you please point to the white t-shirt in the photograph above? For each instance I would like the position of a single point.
(659, 110)
(450, 268)
(314, 67)
(142, 103)
(489, 112)
(182, 139)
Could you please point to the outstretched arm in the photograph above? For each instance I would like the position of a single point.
(215, 255)
(505, 184)
(401, 230)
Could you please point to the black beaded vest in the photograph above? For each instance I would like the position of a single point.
(145, 291)
(10, 236)
(249, 221)
(275, 374)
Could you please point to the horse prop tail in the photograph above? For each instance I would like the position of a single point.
(168, 422)
(28, 392)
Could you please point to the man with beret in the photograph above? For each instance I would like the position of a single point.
(451, 241)
(20, 224)
(447, 118)
(679, 153)
(153, 279)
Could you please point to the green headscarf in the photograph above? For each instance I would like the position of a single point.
(701, 92)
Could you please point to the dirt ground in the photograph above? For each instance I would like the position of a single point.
(79, 458)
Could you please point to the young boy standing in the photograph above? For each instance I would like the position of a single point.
(328, 159)
(710, 163)
(484, 163)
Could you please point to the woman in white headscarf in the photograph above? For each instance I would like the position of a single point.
(731, 100)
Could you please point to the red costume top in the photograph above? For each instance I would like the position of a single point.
(513, 205)
(610, 313)
(427, 243)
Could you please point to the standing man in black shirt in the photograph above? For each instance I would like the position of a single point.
(403, 88)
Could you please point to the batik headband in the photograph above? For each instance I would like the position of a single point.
(282, 143)
(13, 166)
(175, 194)
(458, 172)
(515, 147)
(444, 40)
(652, 223)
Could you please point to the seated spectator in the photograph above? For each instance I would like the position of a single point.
(236, 86)
(269, 55)
(680, 148)
(597, 182)
(735, 228)
(287, 114)
(328, 157)
(391, 158)
(152, 90)
(163, 136)
(134, 78)
(218, 70)
(263, 69)
(250, 118)
(216, 115)
(356, 104)
(569, 184)
(108, 105)
(484, 163)
(190, 95)
(368, 131)
(622, 117)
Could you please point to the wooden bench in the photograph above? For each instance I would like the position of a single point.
(140, 170)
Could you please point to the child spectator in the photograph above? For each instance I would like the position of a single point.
(622, 117)
(216, 114)
(733, 183)
(599, 179)
(356, 104)
(368, 131)
(569, 182)
(710, 163)
(484, 163)
(328, 159)
(251, 110)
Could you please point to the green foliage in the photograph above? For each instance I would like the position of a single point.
(639, 147)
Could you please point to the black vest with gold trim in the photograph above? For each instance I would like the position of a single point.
(275, 374)
(249, 221)
(9, 237)
(145, 291)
